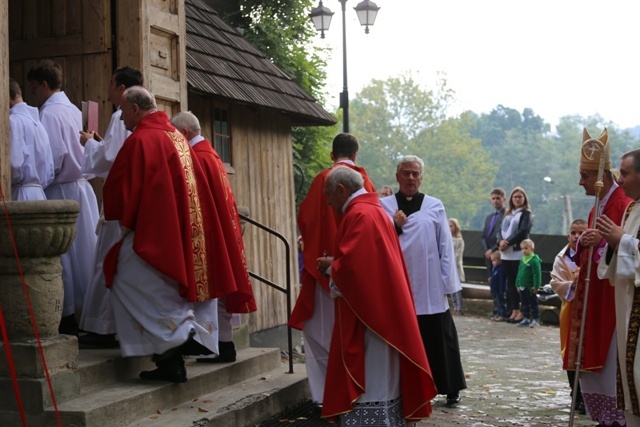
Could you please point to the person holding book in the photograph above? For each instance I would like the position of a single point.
(99, 155)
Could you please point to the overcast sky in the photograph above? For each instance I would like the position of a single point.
(558, 57)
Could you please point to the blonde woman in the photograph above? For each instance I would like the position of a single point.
(458, 249)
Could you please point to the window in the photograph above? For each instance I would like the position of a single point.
(221, 134)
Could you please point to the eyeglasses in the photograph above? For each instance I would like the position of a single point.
(518, 197)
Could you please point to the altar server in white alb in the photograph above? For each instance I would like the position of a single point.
(99, 154)
(31, 159)
(62, 121)
(427, 245)
(622, 268)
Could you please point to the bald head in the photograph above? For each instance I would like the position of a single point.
(187, 124)
(136, 103)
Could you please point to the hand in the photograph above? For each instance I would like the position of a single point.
(590, 237)
(85, 136)
(487, 254)
(399, 218)
(611, 232)
(324, 263)
(503, 245)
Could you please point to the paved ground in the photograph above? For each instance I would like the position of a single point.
(514, 378)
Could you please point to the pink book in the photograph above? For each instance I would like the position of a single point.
(90, 116)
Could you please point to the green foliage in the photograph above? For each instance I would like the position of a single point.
(397, 117)
(283, 31)
(388, 116)
(457, 168)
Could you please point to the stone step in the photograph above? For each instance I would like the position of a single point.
(111, 393)
(247, 403)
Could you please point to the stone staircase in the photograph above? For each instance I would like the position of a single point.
(254, 388)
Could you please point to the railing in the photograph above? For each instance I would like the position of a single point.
(286, 290)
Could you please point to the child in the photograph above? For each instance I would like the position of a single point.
(458, 249)
(563, 274)
(498, 286)
(528, 281)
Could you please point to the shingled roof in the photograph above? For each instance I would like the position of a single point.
(221, 63)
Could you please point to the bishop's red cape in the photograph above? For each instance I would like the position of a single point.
(370, 273)
(600, 320)
(156, 190)
(240, 301)
(318, 226)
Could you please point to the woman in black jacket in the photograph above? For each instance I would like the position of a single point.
(516, 226)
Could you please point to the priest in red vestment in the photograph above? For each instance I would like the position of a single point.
(598, 364)
(378, 373)
(313, 311)
(241, 300)
(171, 255)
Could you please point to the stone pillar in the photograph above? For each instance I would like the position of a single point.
(43, 231)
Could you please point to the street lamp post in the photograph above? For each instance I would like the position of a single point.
(567, 210)
(321, 17)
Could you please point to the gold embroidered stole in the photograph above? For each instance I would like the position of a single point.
(198, 239)
(632, 342)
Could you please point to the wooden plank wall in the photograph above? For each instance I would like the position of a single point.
(74, 33)
(262, 179)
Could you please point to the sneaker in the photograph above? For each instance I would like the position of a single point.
(534, 323)
(524, 322)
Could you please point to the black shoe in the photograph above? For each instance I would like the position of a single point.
(91, 340)
(227, 353)
(453, 399)
(580, 408)
(68, 325)
(171, 369)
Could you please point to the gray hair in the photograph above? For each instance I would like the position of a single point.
(141, 97)
(351, 179)
(410, 159)
(187, 120)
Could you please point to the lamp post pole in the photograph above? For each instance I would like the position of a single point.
(344, 95)
(321, 17)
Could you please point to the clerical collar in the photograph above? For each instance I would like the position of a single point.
(196, 139)
(353, 196)
(347, 161)
(408, 198)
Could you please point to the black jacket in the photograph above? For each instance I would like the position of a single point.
(524, 227)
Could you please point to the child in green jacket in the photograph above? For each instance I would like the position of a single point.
(528, 281)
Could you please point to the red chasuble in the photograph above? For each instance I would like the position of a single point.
(155, 189)
(601, 317)
(318, 226)
(240, 301)
(370, 273)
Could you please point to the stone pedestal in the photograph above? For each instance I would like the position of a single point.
(43, 230)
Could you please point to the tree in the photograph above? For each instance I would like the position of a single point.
(396, 117)
(387, 118)
(283, 31)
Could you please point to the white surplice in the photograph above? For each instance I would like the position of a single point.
(31, 158)
(97, 313)
(63, 121)
(151, 316)
(623, 272)
(427, 247)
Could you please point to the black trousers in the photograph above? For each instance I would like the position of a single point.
(440, 339)
(513, 296)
